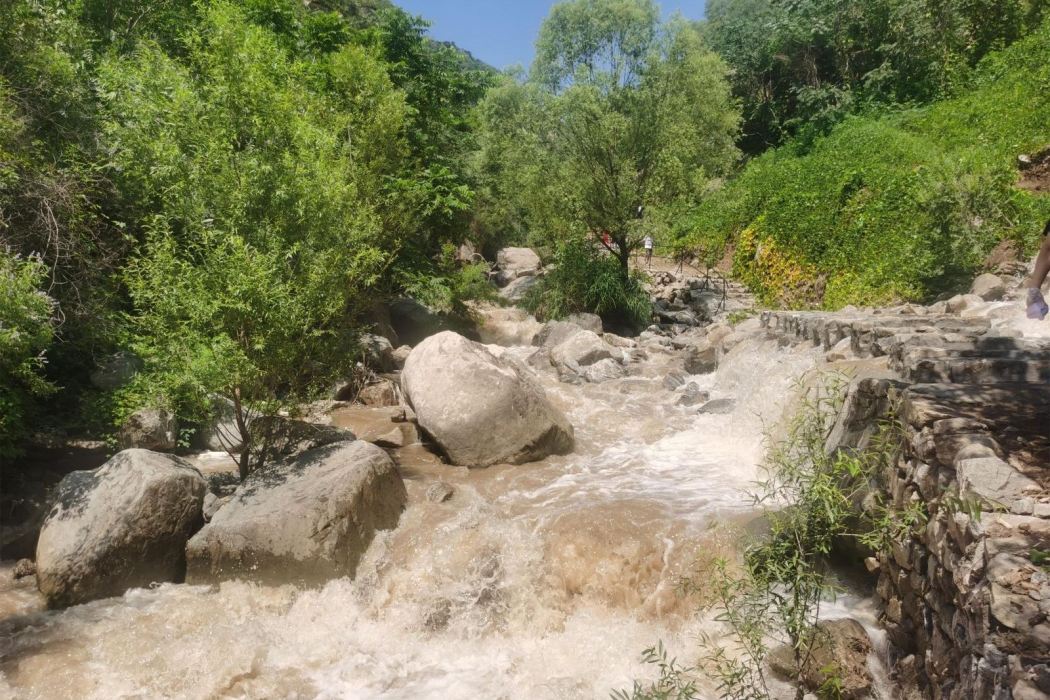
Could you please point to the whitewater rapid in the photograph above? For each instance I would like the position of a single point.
(544, 580)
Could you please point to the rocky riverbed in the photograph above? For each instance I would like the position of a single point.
(513, 518)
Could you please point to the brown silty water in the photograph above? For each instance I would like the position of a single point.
(543, 580)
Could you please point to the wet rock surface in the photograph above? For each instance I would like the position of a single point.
(966, 595)
(123, 525)
(840, 651)
(302, 521)
(461, 391)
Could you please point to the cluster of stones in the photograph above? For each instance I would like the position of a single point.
(682, 301)
(966, 595)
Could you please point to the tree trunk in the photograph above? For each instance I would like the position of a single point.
(242, 428)
(623, 254)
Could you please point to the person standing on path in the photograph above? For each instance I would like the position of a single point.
(648, 244)
(1037, 307)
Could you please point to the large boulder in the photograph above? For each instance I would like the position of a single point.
(149, 429)
(588, 322)
(517, 262)
(840, 650)
(277, 438)
(303, 521)
(123, 525)
(481, 409)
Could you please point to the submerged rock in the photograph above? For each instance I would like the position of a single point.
(23, 568)
(304, 521)
(481, 409)
(581, 349)
(718, 407)
(123, 525)
(840, 651)
(439, 492)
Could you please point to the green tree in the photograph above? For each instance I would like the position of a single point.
(621, 114)
(259, 213)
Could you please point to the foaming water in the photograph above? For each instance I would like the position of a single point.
(543, 580)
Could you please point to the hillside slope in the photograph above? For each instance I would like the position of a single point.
(899, 206)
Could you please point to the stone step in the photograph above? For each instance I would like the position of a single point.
(977, 370)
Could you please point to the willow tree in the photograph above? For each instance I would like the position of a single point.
(621, 115)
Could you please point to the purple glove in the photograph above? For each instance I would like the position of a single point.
(1037, 307)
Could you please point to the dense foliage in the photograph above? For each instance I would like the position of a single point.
(620, 126)
(223, 186)
(26, 329)
(900, 205)
(800, 66)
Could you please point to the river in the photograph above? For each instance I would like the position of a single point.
(544, 580)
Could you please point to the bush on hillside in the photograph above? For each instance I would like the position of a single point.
(884, 208)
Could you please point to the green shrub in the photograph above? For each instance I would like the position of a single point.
(582, 279)
(26, 331)
(900, 206)
(444, 285)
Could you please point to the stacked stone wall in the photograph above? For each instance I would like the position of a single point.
(965, 592)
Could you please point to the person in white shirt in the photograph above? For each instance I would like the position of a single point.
(648, 245)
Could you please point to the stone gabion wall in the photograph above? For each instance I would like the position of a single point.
(965, 592)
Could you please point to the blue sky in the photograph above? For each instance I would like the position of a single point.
(502, 32)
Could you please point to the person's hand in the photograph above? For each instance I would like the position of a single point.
(1037, 307)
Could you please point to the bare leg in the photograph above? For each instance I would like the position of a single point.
(1037, 306)
(1042, 266)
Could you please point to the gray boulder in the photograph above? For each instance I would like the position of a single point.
(989, 287)
(588, 322)
(277, 438)
(481, 409)
(518, 288)
(603, 371)
(304, 521)
(149, 429)
(123, 525)
(517, 262)
(377, 353)
(993, 479)
(701, 357)
(581, 349)
(555, 333)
